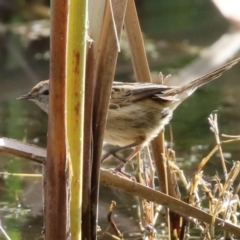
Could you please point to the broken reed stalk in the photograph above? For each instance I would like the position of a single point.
(95, 14)
(104, 75)
(74, 108)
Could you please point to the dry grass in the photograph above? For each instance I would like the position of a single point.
(217, 197)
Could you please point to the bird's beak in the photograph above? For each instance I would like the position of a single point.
(25, 96)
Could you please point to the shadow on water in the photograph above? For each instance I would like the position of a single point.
(162, 22)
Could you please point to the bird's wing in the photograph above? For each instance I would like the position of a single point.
(124, 94)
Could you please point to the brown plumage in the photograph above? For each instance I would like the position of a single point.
(137, 111)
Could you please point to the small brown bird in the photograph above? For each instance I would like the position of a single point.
(137, 111)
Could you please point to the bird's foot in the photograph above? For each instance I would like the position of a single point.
(119, 170)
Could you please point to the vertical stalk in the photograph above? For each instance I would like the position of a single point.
(142, 74)
(95, 13)
(56, 170)
(104, 74)
(74, 111)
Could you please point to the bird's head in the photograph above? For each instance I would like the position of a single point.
(39, 94)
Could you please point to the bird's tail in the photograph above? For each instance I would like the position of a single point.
(189, 88)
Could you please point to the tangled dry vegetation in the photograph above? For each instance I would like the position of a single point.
(216, 195)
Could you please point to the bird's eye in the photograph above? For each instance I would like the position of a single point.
(46, 92)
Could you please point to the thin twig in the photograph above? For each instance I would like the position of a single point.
(20, 174)
(214, 128)
(4, 232)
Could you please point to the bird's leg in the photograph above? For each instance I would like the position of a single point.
(115, 151)
(124, 161)
(120, 167)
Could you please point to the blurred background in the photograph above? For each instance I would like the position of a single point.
(176, 33)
